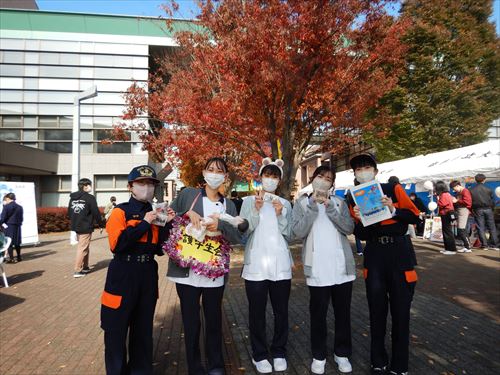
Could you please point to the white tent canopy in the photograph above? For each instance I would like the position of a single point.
(458, 164)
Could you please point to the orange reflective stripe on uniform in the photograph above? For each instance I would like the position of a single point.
(403, 201)
(411, 276)
(115, 226)
(112, 301)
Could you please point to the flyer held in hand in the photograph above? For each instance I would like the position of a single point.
(368, 197)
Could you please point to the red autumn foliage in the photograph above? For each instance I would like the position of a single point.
(257, 72)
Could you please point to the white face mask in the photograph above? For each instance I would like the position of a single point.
(365, 176)
(270, 184)
(214, 180)
(320, 184)
(143, 193)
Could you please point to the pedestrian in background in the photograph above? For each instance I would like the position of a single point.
(267, 267)
(447, 214)
(109, 207)
(83, 213)
(483, 203)
(323, 225)
(236, 200)
(463, 204)
(12, 219)
(423, 210)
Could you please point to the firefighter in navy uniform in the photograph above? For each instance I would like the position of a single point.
(390, 277)
(131, 290)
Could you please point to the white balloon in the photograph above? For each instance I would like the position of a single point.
(428, 185)
(497, 191)
(432, 206)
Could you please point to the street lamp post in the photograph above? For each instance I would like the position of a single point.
(87, 94)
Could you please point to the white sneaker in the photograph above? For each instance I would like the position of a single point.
(317, 366)
(446, 252)
(464, 250)
(264, 367)
(279, 364)
(344, 364)
(494, 248)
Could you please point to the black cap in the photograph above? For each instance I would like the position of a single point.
(363, 159)
(142, 172)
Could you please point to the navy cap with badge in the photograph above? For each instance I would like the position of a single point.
(142, 172)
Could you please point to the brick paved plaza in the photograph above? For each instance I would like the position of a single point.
(49, 321)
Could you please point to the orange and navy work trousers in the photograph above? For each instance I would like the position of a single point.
(128, 305)
(389, 286)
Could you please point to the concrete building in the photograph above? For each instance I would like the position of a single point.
(46, 59)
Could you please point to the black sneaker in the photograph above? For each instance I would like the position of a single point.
(86, 270)
(11, 260)
(77, 275)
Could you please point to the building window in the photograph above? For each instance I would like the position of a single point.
(12, 121)
(111, 182)
(110, 148)
(10, 135)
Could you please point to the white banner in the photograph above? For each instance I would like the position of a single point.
(25, 196)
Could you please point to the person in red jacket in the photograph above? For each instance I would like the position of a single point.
(447, 214)
(463, 204)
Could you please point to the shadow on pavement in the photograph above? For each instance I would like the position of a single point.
(491, 257)
(21, 277)
(36, 254)
(100, 265)
(7, 301)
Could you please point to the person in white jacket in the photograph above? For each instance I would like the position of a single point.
(323, 223)
(268, 267)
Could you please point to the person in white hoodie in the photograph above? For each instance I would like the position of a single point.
(267, 267)
(323, 223)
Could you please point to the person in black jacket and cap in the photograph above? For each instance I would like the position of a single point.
(129, 298)
(83, 212)
(389, 270)
(12, 219)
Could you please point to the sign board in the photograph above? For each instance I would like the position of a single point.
(25, 196)
(433, 229)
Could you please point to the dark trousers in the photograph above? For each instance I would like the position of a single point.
(14, 232)
(420, 227)
(137, 284)
(279, 293)
(448, 236)
(320, 297)
(212, 310)
(462, 235)
(11, 252)
(486, 221)
(359, 246)
(388, 287)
